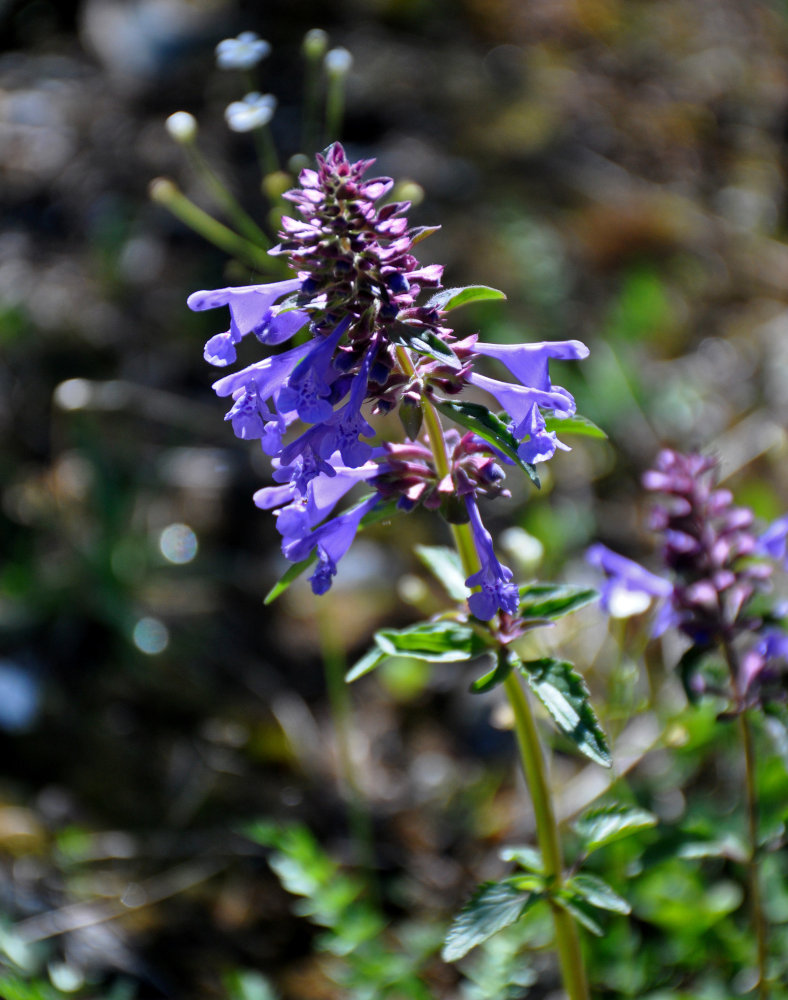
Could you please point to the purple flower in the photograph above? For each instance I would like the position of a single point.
(629, 588)
(541, 444)
(529, 362)
(497, 590)
(332, 540)
(298, 514)
(774, 541)
(252, 310)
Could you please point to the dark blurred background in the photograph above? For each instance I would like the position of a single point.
(617, 167)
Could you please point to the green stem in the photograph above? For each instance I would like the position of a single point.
(225, 199)
(335, 105)
(753, 875)
(566, 937)
(167, 194)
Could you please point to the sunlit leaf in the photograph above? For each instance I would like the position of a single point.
(453, 298)
(576, 424)
(598, 893)
(446, 567)
(438, 642)
(610, 823)
(553, 600)
(487, 425)
(492, 907)
(564, 694)
(525, 856)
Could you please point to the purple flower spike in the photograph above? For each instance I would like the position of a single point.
(629, 587)
(497, 591)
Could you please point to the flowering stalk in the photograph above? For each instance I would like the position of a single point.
(367, 341)
(531, 757)
(712, 557)
(167, 194)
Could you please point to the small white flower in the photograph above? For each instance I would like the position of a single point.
(182, 126)
(242, 52)
(254, 111)
(338, 62)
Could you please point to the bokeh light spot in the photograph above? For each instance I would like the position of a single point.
(178, 543)
(150, 636)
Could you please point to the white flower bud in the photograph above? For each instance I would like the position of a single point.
(315, 43)
(182, 126)
(338, 62)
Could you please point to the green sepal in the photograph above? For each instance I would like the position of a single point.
(487, 425)
(493, 906)
(553, 600)
(574, 425)
(445, 565)
(605, 825)
(411, 416)
(564, 694)
(453, 298)
(381, 512)
(422, 233)
(597, 893)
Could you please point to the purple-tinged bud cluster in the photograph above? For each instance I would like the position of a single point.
(360, 343)
(408, 474)
(706, 542)
(714, 566)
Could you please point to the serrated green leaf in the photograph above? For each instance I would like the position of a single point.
(446, 567)
(598, 893)
(487, 425)
(492, 678)
(381, 512)
(564, 694)
(574, 425)
(553, 600)
(610, 823)
(436, 642)
(574, 905)
(492, 907)
(371, 659)
(453, 298)
(527, 857)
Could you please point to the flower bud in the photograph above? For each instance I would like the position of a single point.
(315, 43)
(338, 62)
(182, 127)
